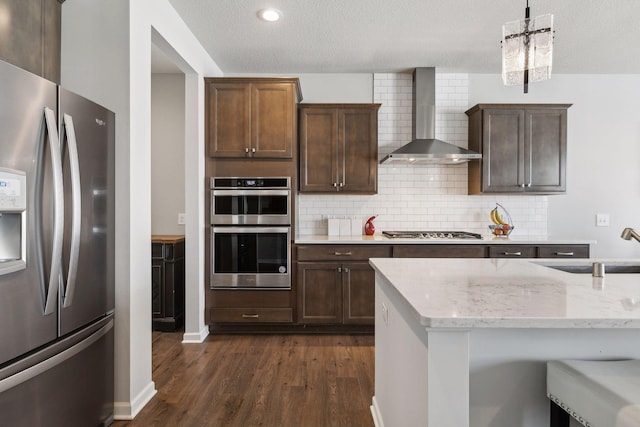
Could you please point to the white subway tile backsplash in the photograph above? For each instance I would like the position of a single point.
(422, 196)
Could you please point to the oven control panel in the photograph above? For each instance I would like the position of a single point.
(262, 183)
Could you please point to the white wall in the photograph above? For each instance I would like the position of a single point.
(167, 153)
(106, 56)
(603, 173)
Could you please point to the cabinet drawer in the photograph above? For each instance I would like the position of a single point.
(558, 251)
(507, 251)
(439, 251)
(342, 252)
(249, 298)
(251, 315)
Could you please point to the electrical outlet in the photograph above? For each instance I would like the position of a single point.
(602, 220)
(180, 219)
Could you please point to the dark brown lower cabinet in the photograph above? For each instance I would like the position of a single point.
(335, 283)
(440, 251)
(336, 293)
(167, 282)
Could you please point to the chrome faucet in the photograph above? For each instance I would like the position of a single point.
(628, 233)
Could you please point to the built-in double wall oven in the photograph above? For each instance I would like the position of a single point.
(250, 233)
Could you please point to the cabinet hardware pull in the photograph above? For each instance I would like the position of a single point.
(522, 185)
(342, 184)
(246, 150)
(512, 253)
(250, 316)
(346, 270)
(529, 185)
(335, 185)
(342, 253)
(253, 150)
(339, 269)
(564, 254)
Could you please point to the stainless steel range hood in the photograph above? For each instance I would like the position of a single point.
(424, 147)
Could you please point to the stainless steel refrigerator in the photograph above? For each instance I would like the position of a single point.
(56, 255)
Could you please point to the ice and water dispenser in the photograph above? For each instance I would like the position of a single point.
(13, 206)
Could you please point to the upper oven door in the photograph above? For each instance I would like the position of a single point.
(255, 207)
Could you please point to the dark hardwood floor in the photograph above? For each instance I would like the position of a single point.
(261, 380)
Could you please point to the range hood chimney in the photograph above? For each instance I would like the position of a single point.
(424, 147)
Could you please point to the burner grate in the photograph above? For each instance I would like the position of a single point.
(431, 235)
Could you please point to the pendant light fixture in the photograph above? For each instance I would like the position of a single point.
(527, 50)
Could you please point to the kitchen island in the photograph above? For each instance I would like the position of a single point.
(465, 342)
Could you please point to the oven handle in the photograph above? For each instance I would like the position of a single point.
(251, 229)
(256, 192)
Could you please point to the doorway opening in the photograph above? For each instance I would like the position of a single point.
(167, 193)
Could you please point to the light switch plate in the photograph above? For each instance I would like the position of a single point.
(180, 219)
(602, 220)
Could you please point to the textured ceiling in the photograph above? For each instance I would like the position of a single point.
(343, 36)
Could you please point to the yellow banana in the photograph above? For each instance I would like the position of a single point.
(495, 217)
(493, 214)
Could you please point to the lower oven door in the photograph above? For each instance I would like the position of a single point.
(250, 257)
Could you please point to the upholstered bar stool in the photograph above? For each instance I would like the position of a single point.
(596, 393)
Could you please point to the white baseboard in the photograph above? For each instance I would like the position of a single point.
(195, 338)
(375, 413)
(128, 410)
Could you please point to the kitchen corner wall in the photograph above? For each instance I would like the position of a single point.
(422, 197)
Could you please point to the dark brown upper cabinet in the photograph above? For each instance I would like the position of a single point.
(251, 117)
(523, 146)
(32, 41)
(339, 148)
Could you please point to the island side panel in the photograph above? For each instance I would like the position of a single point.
(421, 375)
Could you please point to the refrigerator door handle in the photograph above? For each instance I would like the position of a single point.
(58, 212)
(76, 203)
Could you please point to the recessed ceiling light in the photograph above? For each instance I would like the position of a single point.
(269, 15)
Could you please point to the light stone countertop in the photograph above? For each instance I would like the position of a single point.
(380, 239)
(506, 293)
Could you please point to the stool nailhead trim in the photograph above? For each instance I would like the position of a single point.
(569, 411)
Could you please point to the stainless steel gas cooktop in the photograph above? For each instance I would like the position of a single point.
(431, 235)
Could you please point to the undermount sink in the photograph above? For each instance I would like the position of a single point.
(588, 268)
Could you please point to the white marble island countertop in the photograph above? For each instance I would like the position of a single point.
(504, 293)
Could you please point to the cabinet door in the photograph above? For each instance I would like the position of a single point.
(318, 149)
(358, 288)
(51, 29)
(22, 34)
(358, 150)
(273, 114)
(503, 150)
(545, 150)
(319, 292)
(157, 287)
(228, 115)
